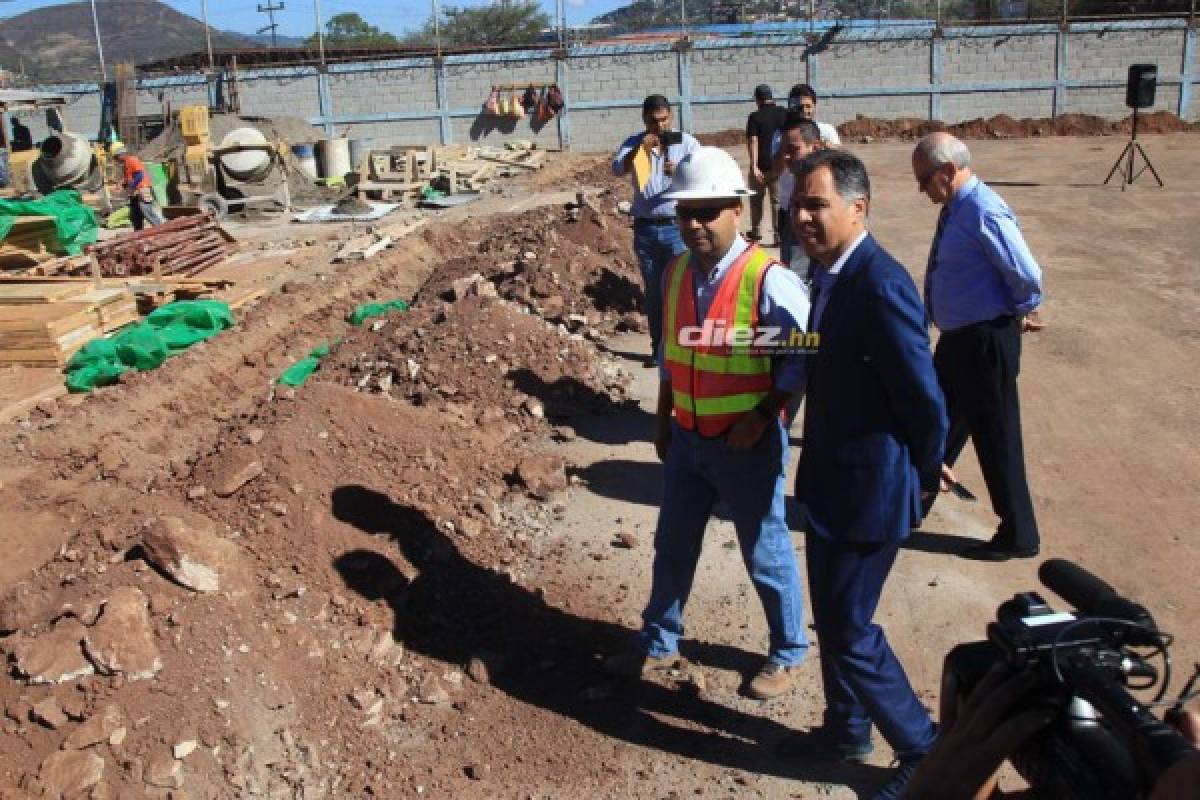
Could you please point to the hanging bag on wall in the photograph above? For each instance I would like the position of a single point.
(515, 109)
(543, 109)
(554, 99)
(530, 100)
(492, 104)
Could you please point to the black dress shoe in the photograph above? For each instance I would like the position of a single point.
(994, 552)
(821, 744)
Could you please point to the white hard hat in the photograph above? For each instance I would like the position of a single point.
(707, 173)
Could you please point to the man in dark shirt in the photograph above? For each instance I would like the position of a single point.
(761, 127)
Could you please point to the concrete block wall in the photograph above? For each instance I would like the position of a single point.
(150, 99)
(468, 87)
(279, 95)
(1018, 104)
(837, 110)
(737, 71)
(1107, 55)
(883, 64)
(603, 130)
(82, 115)
(629, 76)
(386, 134)
(381, 91)
(983, 59)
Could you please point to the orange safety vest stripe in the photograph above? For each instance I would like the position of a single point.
(134, 165)
(713, 385)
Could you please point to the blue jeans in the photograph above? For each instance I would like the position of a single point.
(750, 484)
(655, 246)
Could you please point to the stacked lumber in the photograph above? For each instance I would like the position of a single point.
(183, 246)
(41, 325)
(115, 307)
(31, 240)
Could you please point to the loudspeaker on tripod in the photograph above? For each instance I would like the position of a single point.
(1139, 88)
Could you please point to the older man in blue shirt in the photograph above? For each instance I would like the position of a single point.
(649, 158)
(982, 290)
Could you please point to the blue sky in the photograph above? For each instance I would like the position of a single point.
(297, 18)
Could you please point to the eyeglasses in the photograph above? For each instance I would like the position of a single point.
(701, 214)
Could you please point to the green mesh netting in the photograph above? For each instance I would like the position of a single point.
(367, 310)
(165, 332)
(302, 370)
(74, 222)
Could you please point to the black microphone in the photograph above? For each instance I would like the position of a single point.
(1090, 594)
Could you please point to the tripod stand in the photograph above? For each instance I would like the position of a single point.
(1125, 161)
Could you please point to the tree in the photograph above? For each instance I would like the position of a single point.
(351, 30)
(497, 24)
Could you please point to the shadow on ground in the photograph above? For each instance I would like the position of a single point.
(547, 657)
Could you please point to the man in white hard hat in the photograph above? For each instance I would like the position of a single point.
(732, 355)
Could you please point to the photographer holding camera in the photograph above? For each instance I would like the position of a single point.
(979, 733)
(1048, 691)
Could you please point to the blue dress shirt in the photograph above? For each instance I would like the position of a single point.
(980, 267)
(783, 302)
(648, 201)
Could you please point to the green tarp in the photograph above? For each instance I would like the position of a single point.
(367, 310)
(74, 222)
(302, 370)
(164, 333)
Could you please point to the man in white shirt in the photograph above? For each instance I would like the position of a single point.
(802, 98)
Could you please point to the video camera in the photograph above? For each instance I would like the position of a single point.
(1103, 744)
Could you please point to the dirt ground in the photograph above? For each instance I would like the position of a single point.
(404, 574)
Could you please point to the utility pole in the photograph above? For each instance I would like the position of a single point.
(320, 33)
(269, 9)
(99, 46)
(207, 35)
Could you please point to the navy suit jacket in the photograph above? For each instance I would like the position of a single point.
(875, 420)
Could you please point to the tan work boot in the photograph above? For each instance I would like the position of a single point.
(771, 681)
(635, 663)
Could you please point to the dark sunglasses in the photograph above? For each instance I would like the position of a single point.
(701, 214)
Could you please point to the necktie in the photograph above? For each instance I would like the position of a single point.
(931, 264)
(821, 283)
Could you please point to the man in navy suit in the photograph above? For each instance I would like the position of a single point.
(874, 427)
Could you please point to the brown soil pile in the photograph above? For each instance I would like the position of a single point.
(1001, 126)
(318, 597)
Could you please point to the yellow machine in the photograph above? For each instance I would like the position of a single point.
(193, 125)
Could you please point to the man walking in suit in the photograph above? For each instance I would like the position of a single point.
(874, 427)
(982, 290)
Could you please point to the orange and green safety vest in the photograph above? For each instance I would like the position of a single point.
(713, 385)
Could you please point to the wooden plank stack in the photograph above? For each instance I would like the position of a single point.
(30, 241)
(43, 324)
(183, 246)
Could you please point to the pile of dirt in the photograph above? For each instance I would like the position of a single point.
(1001, 126)
(351, 204)
(271, 615)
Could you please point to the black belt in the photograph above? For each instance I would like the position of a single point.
(655, 220)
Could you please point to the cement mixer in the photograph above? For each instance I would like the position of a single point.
(66, 160)
(246, 164)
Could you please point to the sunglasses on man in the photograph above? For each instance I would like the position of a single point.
(702, 214)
